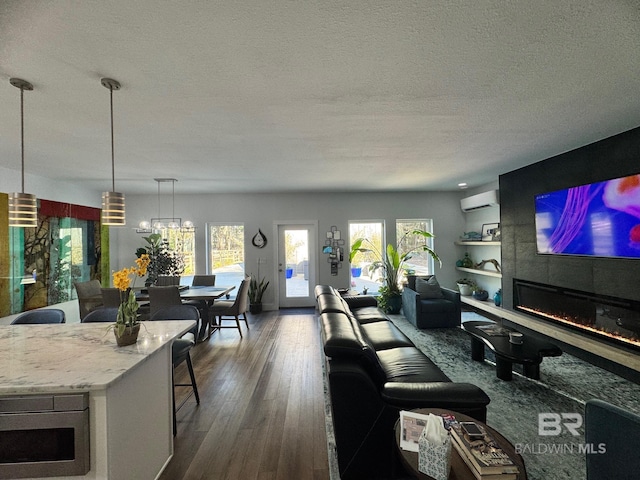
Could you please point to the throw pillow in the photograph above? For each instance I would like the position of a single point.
(428, 288)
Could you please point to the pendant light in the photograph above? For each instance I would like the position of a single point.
(23, 207)
(113, 208)
(170, 223)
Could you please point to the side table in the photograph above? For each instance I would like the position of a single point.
(459, 469)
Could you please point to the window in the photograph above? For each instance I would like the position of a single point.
(185, 242)
(421, 263)
(225, 253)
(361, 277)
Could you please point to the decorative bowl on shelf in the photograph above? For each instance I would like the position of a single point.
(480, 295)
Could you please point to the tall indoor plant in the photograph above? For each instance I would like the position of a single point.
(391, 263)
(163, 260)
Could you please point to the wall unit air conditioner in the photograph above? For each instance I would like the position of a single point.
(481, 200)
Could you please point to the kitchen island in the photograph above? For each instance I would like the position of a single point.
(129, 388)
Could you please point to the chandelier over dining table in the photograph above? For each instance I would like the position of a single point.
(162, 222)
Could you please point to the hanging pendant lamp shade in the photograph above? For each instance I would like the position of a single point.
(113, 207)
(23, 207)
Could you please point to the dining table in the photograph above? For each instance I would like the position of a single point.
(206, 293)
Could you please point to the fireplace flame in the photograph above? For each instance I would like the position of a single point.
(632, 341)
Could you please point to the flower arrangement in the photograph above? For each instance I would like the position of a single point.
(123, 280)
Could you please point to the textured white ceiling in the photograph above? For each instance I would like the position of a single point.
(314, 96)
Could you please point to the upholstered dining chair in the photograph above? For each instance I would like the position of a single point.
(202, 305)
(111, 297)
(39, 316)
(231, 310)
(105, 314)
(203, 281)
(89, 296)
(163, 296)
(180, 348)
(167, 280)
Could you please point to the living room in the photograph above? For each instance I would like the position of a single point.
(307, 117)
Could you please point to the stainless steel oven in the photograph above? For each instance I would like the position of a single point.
(44, 435)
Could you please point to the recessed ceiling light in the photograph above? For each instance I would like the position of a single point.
(462, 185)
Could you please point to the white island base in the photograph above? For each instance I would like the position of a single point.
(130, 388)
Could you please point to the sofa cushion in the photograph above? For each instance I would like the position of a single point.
(383, 335)
(328, 303)
(359, 301)
(339, 337)
(436, 305)
(428, 288)
(408, 364)
(369, 314)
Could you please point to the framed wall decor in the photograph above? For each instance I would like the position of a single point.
(489, 230)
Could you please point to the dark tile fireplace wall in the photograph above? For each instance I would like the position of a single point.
(613, 157)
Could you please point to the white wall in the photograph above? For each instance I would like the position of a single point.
(45, 188)
(261, 211)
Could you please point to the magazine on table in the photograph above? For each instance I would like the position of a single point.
(482, 452)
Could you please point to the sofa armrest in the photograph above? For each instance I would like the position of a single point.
(359, 301)
(410, 304)
(453, 296)
(449, 395)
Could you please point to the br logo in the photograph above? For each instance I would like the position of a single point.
(552, 424)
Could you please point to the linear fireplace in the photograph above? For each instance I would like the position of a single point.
(612, 319)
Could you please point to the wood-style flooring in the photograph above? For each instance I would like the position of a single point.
(261, 413)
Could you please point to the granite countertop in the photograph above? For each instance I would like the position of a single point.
(74, 357)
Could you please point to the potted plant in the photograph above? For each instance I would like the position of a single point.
(391, 264)
(163, 260)
(127, 324)
(465, 286)
(256, 290)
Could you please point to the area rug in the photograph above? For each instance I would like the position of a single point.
(565, 384)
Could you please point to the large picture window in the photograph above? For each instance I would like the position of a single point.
(421, 262)
(225, 252)
(361, 276)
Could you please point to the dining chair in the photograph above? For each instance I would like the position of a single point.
(111, 297)
(202, 305)
(40, 316)
(231, 310)
(180, 348)
(167, 280)
(89, 296)
(104, 314)
(203, 281)
(163, 296)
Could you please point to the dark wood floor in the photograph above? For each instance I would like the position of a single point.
(261, 412)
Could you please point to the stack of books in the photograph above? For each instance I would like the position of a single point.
(482, 454)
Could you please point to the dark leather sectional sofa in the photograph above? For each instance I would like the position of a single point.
(374, 371)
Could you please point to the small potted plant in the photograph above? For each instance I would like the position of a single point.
(256, 290)
(127, 324)
(465, 286)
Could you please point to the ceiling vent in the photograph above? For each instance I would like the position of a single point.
(481, 200)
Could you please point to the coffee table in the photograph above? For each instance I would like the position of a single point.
(459, 469)
(530, 353)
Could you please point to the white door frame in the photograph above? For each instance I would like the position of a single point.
(313, 255)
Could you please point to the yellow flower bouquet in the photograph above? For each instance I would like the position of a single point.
(128, 308)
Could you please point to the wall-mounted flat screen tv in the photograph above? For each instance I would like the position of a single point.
(599, 219)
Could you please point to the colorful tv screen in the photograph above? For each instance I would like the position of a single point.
(600, 219)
